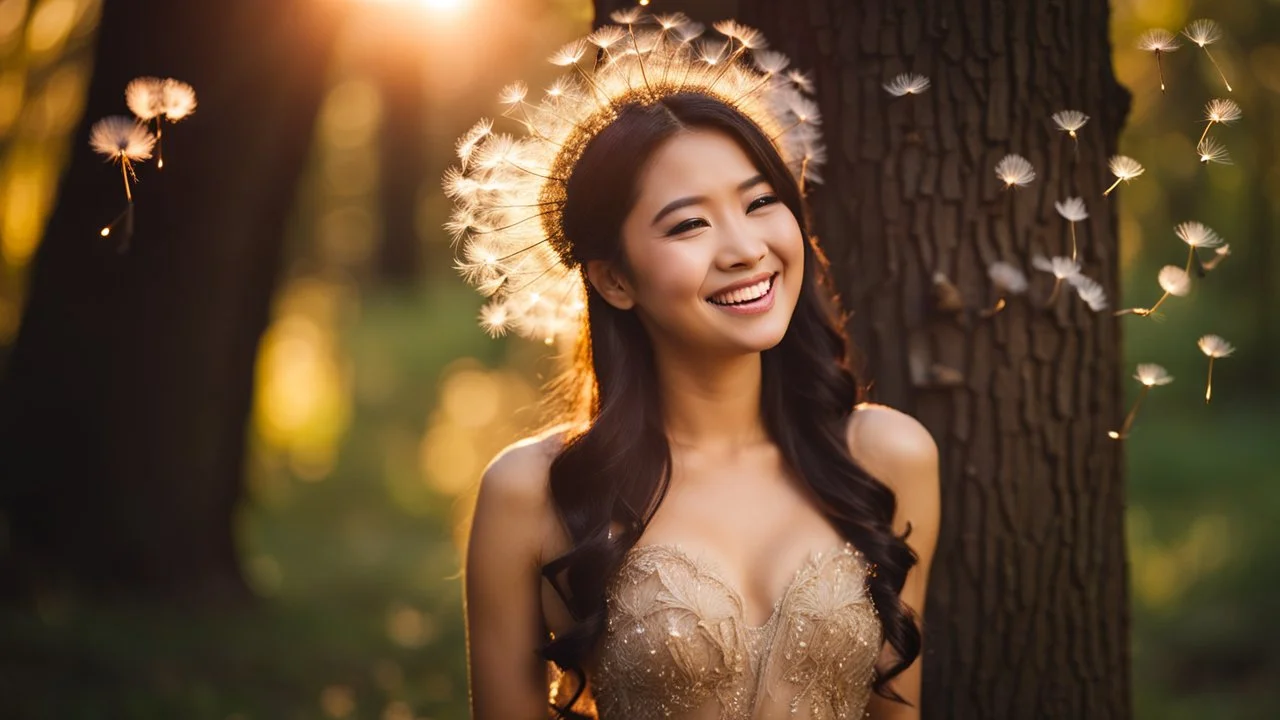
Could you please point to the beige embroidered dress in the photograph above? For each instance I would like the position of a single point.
(677, 644)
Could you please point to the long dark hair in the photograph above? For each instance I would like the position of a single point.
(615, 464)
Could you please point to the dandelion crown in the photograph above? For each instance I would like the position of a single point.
(509, 192)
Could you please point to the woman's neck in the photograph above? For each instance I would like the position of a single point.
(712, 404)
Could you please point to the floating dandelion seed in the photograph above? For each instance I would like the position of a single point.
(122, 140)
(1204, 33)
(1173, 280)
(1196, 235)
(1150, 375)
(1125, 169)
(1090, 291)
(1015, 170)
(1062, 268)
(1212, 151)
(178, 100)
(153, 98)
(907, 84)
(1070, 121)
(1073, 211)
(1219, 254)
(1008, 279)
(1214, 347)
(1159, 41)
(1219, 111)
(145, 97)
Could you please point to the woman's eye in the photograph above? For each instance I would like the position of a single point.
(762, 201)
(686, 226)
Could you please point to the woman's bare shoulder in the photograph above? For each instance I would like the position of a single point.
(525, 463)
(515, 488)
(891, 445)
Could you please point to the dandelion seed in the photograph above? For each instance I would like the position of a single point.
(671, 21)
(1125, 169)
(1204, 32)
(1214, 347)
(122, 140)
(152, 98)
(1090, 291)
(1159, 41)
(513, 93)
(177, 99)
(801, 80)
(1070, 121)
(606, 37)
(748, 37)
(493, 317)
(1150, 375)
(1061, 268)
(1015, 170)
(629, 16)
(145, 97)
(1008, 279)
(1219, 111)
(770, 62)
(1196, 235)
(1218, 255)
(1073, 211)
(1212, 151)
(907, 84)
(570, 53)
(1173, 280)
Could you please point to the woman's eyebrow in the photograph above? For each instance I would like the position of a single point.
(695, 199)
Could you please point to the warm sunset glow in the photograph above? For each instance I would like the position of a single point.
(443, 5)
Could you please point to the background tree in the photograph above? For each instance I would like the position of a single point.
(124, 401)
(1028, 611)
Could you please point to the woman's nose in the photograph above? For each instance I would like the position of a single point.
(742, 245)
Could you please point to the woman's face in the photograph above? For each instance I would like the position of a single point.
(716, 259)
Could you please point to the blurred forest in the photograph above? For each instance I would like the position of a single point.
(377, 400)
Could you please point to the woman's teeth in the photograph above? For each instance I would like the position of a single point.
(745, 294)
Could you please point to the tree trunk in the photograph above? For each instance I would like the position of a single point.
(1028, 614)
(123, 407)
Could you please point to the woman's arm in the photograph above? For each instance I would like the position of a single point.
(504, 624)
(897, 450)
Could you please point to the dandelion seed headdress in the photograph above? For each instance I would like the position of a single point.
(509, 192)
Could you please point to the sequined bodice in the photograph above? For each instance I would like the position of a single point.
(678, 643)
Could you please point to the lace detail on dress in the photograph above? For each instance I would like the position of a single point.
(677, 643)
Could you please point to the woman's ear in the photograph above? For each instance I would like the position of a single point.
(612, 285)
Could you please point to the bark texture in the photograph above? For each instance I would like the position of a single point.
(124, 402)
(1028, 611)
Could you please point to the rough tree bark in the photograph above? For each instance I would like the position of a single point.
(1027, 613)
(123, 407)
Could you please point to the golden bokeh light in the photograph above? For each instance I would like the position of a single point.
(27, 183)
(303, 406)
(338, 701)
(12, 15)
(50, 25)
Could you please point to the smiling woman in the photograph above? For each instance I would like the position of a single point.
(711, 526)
